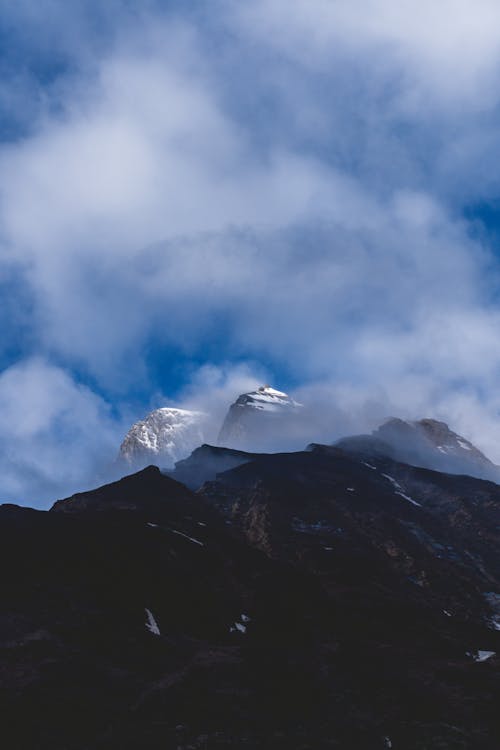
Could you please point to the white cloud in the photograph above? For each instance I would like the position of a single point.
(212, 388)
(288, 182)
(446, 49)
(55, 435)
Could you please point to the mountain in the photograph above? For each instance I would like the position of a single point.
(258, 419)
(163, 437)
(426, 443)
(317, 599)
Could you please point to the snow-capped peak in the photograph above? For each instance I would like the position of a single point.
(164, 436)
(266, 398)
(256, 418)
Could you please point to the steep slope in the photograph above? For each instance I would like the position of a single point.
(259, 420)
(438, 531)
(314, 599)
(426, 443)
(163, 437)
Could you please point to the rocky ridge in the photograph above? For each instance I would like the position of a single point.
(326, 598)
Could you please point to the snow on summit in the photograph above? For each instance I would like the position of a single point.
(164, 436)
(266, 398)
(169, 434)
(257, 417)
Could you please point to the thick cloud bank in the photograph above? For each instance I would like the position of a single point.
(193, 199)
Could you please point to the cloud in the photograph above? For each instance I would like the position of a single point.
(443, 50)
(55, 434)
(212, 388)
(282, 184)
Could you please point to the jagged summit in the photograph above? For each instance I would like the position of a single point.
(424, 442)
(258, 418)
(164, 436)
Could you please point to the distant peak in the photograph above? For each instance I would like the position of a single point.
(258, 419)
(165, 435)
(432, 443)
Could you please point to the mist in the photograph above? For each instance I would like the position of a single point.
(195, 201)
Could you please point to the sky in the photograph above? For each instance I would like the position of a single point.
(196, 198)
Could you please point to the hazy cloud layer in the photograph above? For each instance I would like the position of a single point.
(266, 189)
(53, 432)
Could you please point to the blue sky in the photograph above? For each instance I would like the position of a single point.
(196, 197)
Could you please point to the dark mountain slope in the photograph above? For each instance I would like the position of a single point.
(440, 532)
(297, 601)
(146, 491)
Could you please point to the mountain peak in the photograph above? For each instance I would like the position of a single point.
(424, 442)
(165, 435)
(258, 418)
(432, 433)
(266, 398)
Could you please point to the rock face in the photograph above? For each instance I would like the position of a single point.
(163, 437)
(260, 420)
(319, 599)
(426, 443)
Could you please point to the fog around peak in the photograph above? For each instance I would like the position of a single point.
(197, 199)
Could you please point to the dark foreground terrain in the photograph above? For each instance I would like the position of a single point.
(324, 599)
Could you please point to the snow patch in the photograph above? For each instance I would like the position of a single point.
(481, 655)
(484, 655)
(398, 490)
(190, 538)
(239, 626)
(151, 623)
